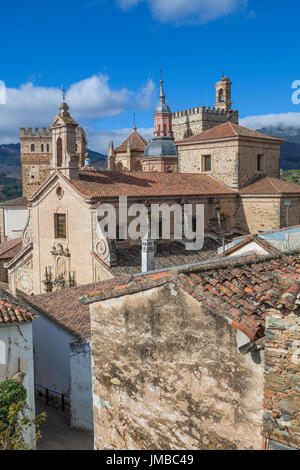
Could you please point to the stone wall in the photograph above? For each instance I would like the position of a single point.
(234, 161)
(224, 158)
(196, 120)
(166, 375)
(257, 214)
(282, 378)
(35, 172)
(248, 152)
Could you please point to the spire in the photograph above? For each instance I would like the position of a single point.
(162, 106)
(162, 93)
(134, 126)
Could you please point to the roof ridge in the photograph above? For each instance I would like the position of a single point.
(273, 184)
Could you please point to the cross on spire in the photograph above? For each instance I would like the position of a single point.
(64, 93)
(161, 76)
(134, 126)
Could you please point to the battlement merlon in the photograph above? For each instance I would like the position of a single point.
(204, 110)
(29, 133)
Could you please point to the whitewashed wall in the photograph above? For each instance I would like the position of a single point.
(14, 221)
(16, 343)
(81, 387)
(51, 356)
(64, 368)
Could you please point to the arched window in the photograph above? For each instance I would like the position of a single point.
(2, 352)
(32, 147)
(59, 153)
(221, 95)
(42, 147)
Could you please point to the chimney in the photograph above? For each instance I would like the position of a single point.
(148, 255)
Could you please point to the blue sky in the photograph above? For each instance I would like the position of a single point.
(108, 53)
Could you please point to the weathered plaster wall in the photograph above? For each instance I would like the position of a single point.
(81, 386)
(16, 349)
(166, 375)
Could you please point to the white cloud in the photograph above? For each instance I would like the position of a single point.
(188, 10)
(90, 100)
(284, 120)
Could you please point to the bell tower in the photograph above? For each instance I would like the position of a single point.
(64, 146)
(223, 94)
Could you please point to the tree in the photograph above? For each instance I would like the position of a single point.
(14, 419)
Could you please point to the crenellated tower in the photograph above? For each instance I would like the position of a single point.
(196, 120)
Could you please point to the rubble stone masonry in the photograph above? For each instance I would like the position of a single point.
(282, 378)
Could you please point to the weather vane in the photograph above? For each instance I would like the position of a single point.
(161, 75)
(134, 126)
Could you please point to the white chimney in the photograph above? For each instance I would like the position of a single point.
(148, 255)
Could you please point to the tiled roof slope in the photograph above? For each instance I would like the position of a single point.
(10, 248)
(20, 201)
(270, 185)
(228, 129)
(137, 143)
(109, 184)
(13, 311)
(64, 309)
(241, 289)
(167, 255)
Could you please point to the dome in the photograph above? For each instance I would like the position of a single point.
(162, 107)
(161, 147)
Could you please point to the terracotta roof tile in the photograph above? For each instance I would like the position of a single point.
(20, 201)
(10, 248)
(13, 310)
(137, 143)
(228, 129)
(64, 309)
(270, 185)
(241, 289)
(107, 184)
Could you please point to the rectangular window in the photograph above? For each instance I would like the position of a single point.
(260, 163)
(60, 226)
(206, 163)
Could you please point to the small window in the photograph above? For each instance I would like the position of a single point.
(165, 129)
(60, 226)
(42, 147)
(32, 147)
(48, 147)
(260, 163)
(207, 163)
